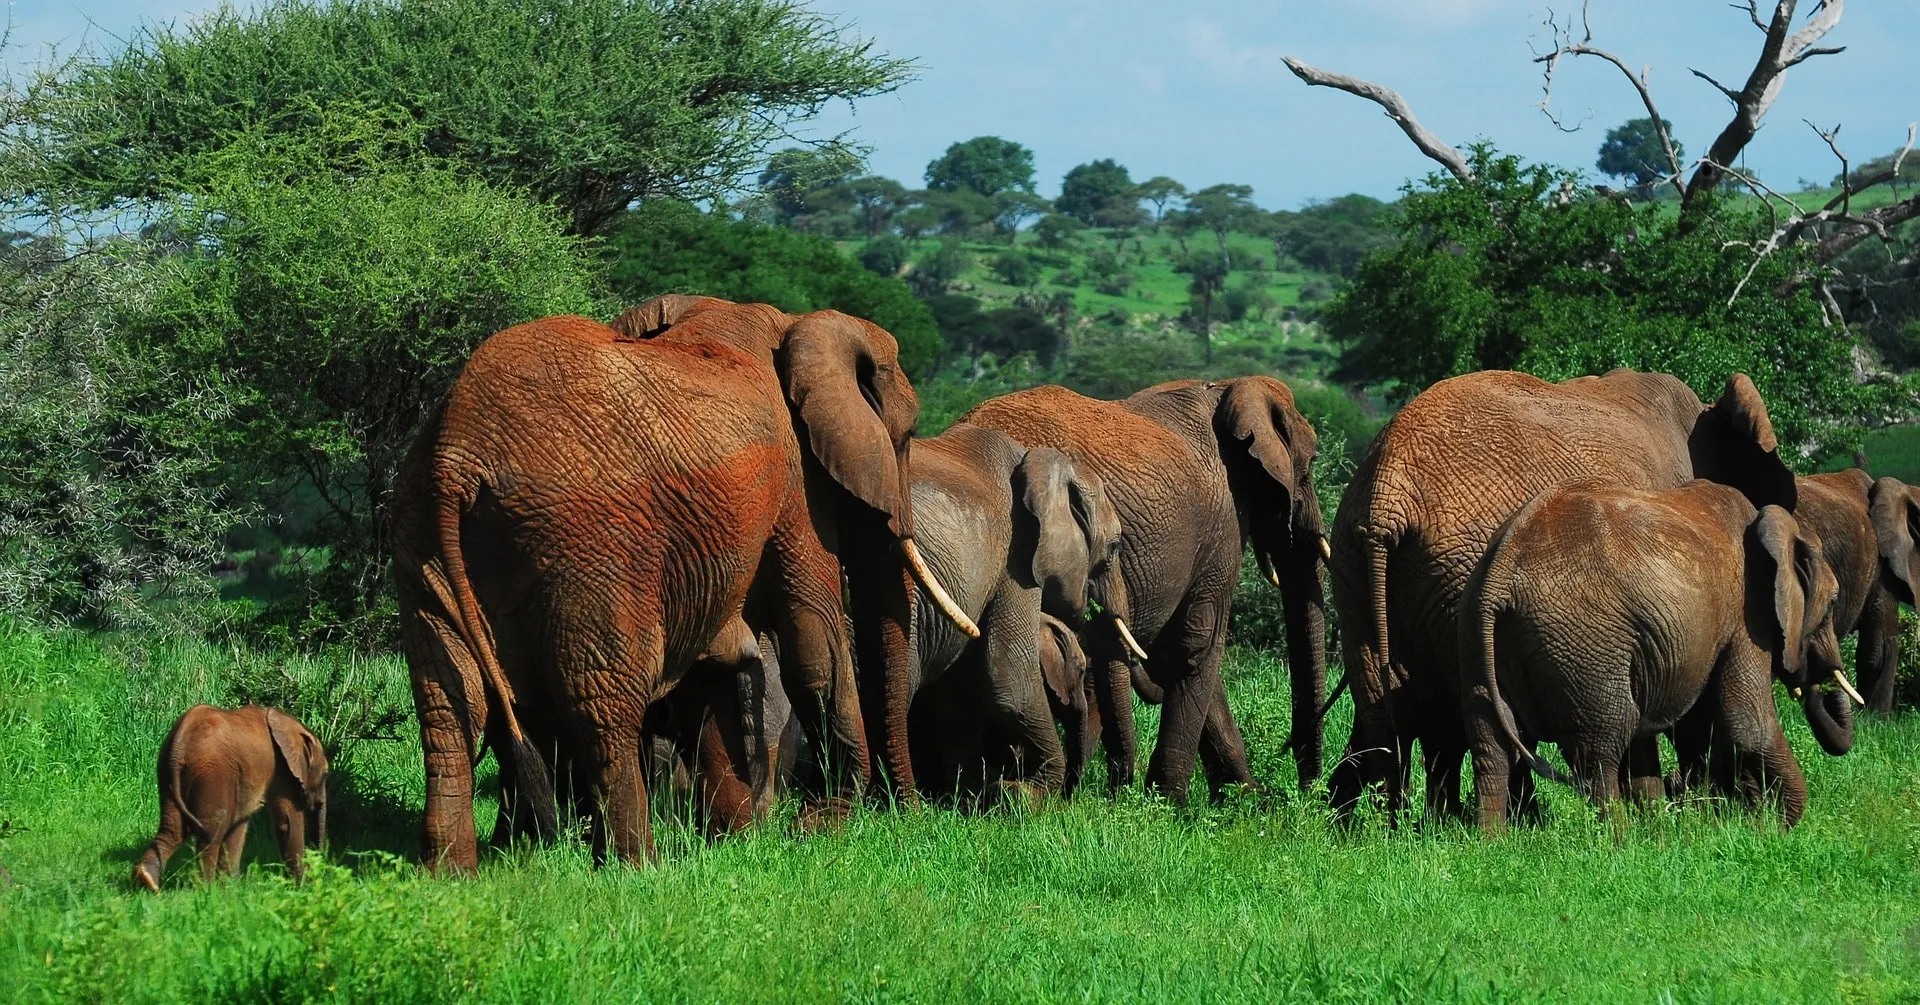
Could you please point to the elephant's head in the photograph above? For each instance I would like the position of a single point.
(856, 414)
(1803, 590)
(1063, 670)
(1896, 529)
(1077, 533)
(306, 761)
(1269, 449)
(1732, 443)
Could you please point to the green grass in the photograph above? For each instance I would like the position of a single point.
(1097, 900)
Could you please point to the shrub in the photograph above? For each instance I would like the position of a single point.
(1015, 268)
(885, 255)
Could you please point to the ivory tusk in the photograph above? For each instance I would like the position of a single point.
(1796, 692)
(1133, 645)
(1326, 548)
(1841, 679)
(924, 576)
(1274, 578)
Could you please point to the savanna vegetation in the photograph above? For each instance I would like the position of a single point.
(245, 255)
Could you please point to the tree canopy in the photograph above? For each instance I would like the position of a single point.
(984, 165)
(1094, 193)
(1632, 151)
(587, 104)
(666, 246)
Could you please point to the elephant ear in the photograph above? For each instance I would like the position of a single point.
(1268, 449)
(1780, 537)
(1896, 528)
(301, 750)
(843, 378)
(657, 315)
(1733, 443)
(1062, 664)
(1062, 545)
(1258, 412)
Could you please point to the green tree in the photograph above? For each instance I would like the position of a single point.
(885, 255)
(1501, 273)
(587, 104)
(795, 178)
(331, 309)
(1015, 268)
(1055, 230)
(1632, 151)
(984, 165)
(666, 246)
(1089, 190)
(941, 268)
(1161, 191)
(1331, 236)
(1014, 207)
(1222, 209)
(1208, 271)
(875, 201)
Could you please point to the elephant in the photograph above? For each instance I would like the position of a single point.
(1601, 615)
(1428, 497)
(590, 507)
(1198, 471)
(218, 767)
(1012, 532)
(1868, 526)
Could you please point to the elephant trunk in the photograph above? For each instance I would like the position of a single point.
(1073, 720)
(1113, 687)
(883, 607)
(1830, 716)
(1305, 606)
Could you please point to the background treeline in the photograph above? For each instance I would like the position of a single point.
(247, 253)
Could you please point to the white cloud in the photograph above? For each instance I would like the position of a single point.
(1150, 79)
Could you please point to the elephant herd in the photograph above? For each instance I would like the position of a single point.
(703, 543)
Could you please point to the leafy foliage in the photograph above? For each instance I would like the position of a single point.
(1504, 273)
(984, 165)
(1632, 150)
(1331, 236)
(587, 104)
(1099, 194)
(332, 309)
(108, 495)
(671, 247)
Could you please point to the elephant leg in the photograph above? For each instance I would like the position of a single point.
(1762, 763)
(1643, 782)
(1877, 660)
(816, 661)
(1374, 751)
(1441, 760)
(725, 768)
(449, 838)
(621, 826)
(172, 833)
(1016, 687)
(1186, 656)
(1523, 799)
(1113, 704)
(1223, 753)
(1596, 770)
(290, 829)
(1692, 737)
(223, 854)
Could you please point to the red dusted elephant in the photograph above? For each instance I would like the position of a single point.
(592, 505)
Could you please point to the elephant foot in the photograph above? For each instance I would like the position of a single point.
(827, 815)
(147, 874)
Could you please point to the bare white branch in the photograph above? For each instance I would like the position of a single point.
(1565, 46)
(1396, 108)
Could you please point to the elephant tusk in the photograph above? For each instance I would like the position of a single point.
(1274, 578)
(1133, 645)
(1326, 548)
(1796, 692)
(1841, 679)
(941, 599)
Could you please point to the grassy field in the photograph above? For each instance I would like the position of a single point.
(1097, 900)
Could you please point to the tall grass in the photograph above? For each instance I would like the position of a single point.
(1261, 898)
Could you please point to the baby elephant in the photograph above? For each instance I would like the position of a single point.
(218, 767)
(1602, 615)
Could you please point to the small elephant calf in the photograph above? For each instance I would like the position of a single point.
(218, 767)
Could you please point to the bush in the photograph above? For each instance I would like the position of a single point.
(1115, 285)
(672, 247)
(110, 510)
(885, 255)
(1015, 268)
(935, 272)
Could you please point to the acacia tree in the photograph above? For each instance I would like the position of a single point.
(589, 105)
(984, 165)
(1161, 191)
(1635, 151)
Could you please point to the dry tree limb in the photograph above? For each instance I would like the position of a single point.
(1784, 49)
(1565, 46)
(1396, 108)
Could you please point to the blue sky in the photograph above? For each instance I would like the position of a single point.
(1196, 90)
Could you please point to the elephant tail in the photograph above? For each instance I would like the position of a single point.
(1488, 601)
(529, 768)
(174, 791)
